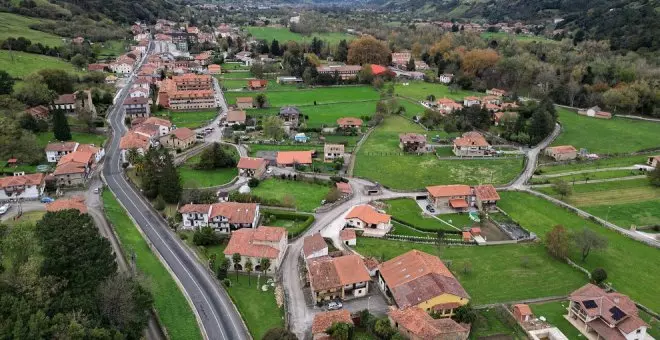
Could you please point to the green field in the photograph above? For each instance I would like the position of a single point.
(412, 172)
(190, 119)
(624, 203)
(306, 196)
(322, 95)
(490, 322)
(613, 162)
(325, 115)
(625, 260)
(232, 84)
(519, 37)
(283, 35)
(254, 148)
(23, 63)
(259, 309)
(110, 48)
(407, 211)
(498, 274)
(172, 308)
(81, 137)
(588, 176)
(554, 313)
(195, 178)
(30, 217)
(14, 26)
(295, 223)
(419, 90)
(616, 135)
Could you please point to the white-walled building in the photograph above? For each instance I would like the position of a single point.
(256, 244)
(367, 217)
(223, 217)
(22, 186)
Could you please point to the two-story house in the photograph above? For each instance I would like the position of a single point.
(164, 125)
(65, 102)
(133, 141)
(224, 217)
(455, 196)
(73, 169)
(472, 144)
(471, 100)
(341, 277)
(55, 151)
(332, 152)
(256, 244)
(252, 167)
(136, 107)
(412, 142)
(22, 186)
(314, 246)
(181, 138)
(291, 116)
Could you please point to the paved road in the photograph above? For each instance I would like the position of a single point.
(215, 312)
(532, 156)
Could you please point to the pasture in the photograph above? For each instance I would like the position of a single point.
(606, 136)
(190, 119)
(14, 26)
(20, 64)
(302, 195)
(320, 95)
(283, 35)
(196, 178)
(419, 90)
(625, 260)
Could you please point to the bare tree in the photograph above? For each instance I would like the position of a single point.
(587, 240)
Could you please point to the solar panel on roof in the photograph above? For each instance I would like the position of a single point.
(617, 314)
(589, 304)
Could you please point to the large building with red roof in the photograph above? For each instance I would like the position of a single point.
(256, 244)
(187, 92)
(22, 186)
(224, 217)
(337, 278)
(462, 197)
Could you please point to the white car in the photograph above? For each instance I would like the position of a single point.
(334, 305)
(269, 171)
(4, 208)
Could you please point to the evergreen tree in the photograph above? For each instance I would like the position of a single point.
(169, 183)
(275, 48)
(61, 128)
(541, 125)
(411, 64)
(342, 51)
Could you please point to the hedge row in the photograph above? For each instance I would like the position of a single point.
(306, 220)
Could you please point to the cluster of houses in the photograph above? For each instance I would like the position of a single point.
(153, 131)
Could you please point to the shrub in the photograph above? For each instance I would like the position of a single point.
(205, 236)
(226, 282)
(159, 204)
(599, 275)
(253, 183)
(183, 236)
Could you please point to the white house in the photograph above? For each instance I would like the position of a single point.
(256, 244)
(22, 186)
(365, 216)
(446, 78)
(139, 92)
(224, 217)
(164, 125)
(55, 151)
(469, 101)
(314, 246)
(133, 140)
(121, 67)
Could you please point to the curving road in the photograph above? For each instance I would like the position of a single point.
(216, 315)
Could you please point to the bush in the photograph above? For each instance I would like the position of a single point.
(306, 220)
(253, 183)
(159, 204)
(598, 276)
(226, 282)
(183, 236)
(205, 236)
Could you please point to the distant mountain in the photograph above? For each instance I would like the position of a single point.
(628, 24)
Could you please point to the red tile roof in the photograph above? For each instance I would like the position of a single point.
(424, 327)
(69, 168)
(183, 133)
(471, 139)
(235, 212)
(326, 272)
(377, 70)
(412, 138)
(61, 146)
(349, 121)
(523, 309)
(149, 130)
(347, 234)
(458, 203)
(158, 121)
(236, 116)
(323, 320)
(30, 179)
(344, 187)
(195, 208)
(368, 214)
(69, 98)
(314, 243)
(82, 157)
(486, 192)
(77, 203)
(257, 83)
(291, 157)
(562, 149)
(251, 163)
(449, 190)
(605, 302)
(249, 100)
(136, 101)
(249, 242)
(132, 140)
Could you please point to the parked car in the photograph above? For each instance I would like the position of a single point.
(4, 208)
(269, 171)
(96, 190)
(334, 305)
(430, 208)
(47, 199)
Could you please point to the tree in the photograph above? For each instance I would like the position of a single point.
(261, 100)
(222, 268)
(383, 328)
(205, 236)
(249, 267)
(6, 83)
(465, 314)
(215, 157)
(169, 181)
(411, 64)
(340, 331)
(279, 334)
(79, 61)
(58, 80)
(621, 99)
(598, 276)
(275, 48)
(540, 126)
(264, 264)
(333, 195)
(557, 242)
(172, 223)
(125, 304)
(562, 188)
(236, 259)
(477, 60)
(273, 127)
(368, 50)
(587, 240)
(341, 54)
(654, 176)
(253, 182)
(61, 126)
(34, 91)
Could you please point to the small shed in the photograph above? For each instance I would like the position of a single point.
(522, 312)
(348, 237)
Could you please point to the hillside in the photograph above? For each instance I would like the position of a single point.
(627, 24)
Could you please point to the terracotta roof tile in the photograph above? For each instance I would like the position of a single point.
(344, 187)
(471, 139)
(313, 244)
(236, 116)
(29, 179)
(158, 121)
(247, 242)
(486, 192)
(249, 100)
(195, 208)
(323, 320)
(62, 146)
(412, 138)
(183, 133)
(449, 190)
(235, 212)
(368, 214)
(132, 140)
(349, 121)
(291, 157)
(423, 326)
(77, 203)
(562, 149)
(251, 163)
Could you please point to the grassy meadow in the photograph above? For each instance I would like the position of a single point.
(15, 26)
(20, 64)
(304, 196)
(283, 34)
(195, 178)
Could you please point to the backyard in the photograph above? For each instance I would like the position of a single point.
(498, 273)
(624, 259)
(303, 196)
(406, 210)
(197, 178)
(554, 313)
(171, 306)
(259, 309)
(606, 136)
(295, 223)
(413, 172)
(43, 138)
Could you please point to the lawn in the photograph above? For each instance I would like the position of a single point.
(254, 148)
(23, 63)
(44, 138)
(110, 48)
(554, 313)
(588, 176)
(401, 229)
(171, 306)
(190, 119)
(419, 90)
(606, 136)
(259, 309)
(235, 66)
(613, 162)
(493, 322)
(283, 35)
(625, 260)
(407, 211)
(412, 172)
(195, 178)
(231, 84)
(304, 196)
(623, 203)
(14, 26)
(295, 223)
(498, 274)
(29, 217)
(320, 95)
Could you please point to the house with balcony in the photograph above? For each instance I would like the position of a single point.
(252, 167)
(472, 144)
(55, 151)
(332, 152)
(413, 142)
(598, 314)
(224, 217)
(22, 186)
(136, 107)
